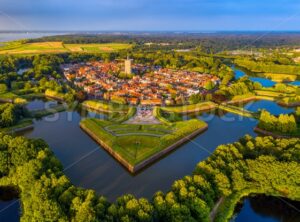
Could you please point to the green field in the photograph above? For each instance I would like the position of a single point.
(277, 77)
(20, 47)
(136, 143)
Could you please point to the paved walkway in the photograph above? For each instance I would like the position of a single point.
(143, 116)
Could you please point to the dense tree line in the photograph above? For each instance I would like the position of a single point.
(284, 123)
(252, 165)
(267, 67)
(240, 87)
(42, 73)
(206, 42)
(10, 114)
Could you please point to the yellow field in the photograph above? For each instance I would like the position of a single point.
(59, 47)
(280, 77)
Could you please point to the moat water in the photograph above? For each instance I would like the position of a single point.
(89, 166)
(263, 81)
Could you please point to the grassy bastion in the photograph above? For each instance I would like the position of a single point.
(138, 146)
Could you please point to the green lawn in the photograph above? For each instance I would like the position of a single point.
(136, 143)
(124, 129)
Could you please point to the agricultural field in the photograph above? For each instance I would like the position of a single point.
(21, 47)
(106, 47)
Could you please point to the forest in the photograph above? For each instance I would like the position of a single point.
(284, 123)
(231, 172)
(268, 67)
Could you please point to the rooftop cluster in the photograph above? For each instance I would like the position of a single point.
(157, 86)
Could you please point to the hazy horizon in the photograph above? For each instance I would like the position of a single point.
(149, 15)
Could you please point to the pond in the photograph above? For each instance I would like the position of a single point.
(268, 209)
(89, 166)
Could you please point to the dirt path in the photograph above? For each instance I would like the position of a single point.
(214, 211)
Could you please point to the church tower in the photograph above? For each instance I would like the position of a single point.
(128, 69)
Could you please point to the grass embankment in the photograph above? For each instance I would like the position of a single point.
(238, 110)
(157, 112)
(117, 112)
(23, 124)
(48, 111)
(203, 106)
(277, 77)
(106, 107)
(277, 134)
(121, 117)
(284, 99)
(55, 95)
(137, 146)
(268, 93)
(21, 47)
(243, 98)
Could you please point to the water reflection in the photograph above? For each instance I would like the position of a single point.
(270, 106)
(89, 166)
(40, 104)
(9, 205)
(268, 209)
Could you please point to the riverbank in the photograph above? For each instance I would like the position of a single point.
(262, 96)
(21, 126)
(273, 134)
(239, 111)
(226, 208)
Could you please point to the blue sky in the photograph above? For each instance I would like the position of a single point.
(150, 15)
